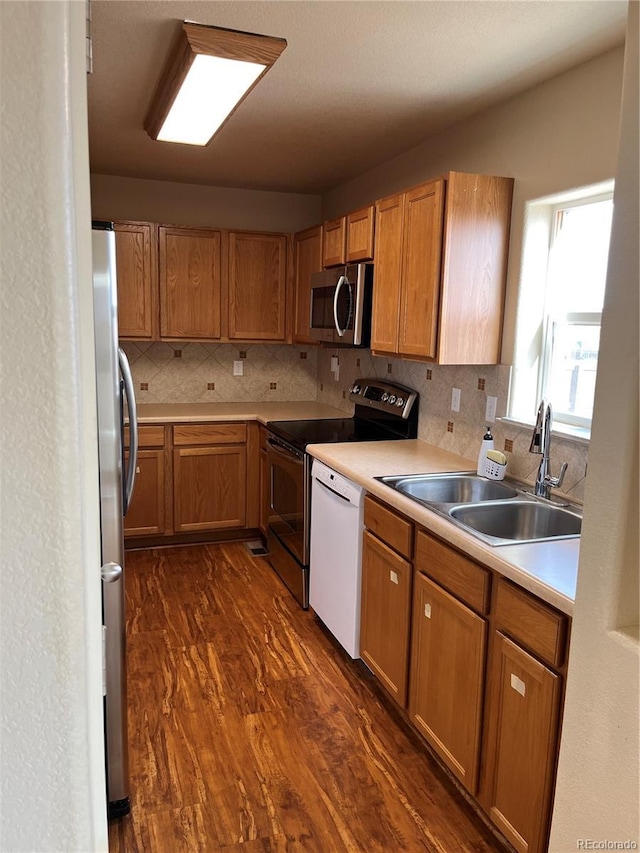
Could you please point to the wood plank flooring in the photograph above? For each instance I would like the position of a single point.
(251, 730)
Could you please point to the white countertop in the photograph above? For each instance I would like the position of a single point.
(547, 569)
(157, 413)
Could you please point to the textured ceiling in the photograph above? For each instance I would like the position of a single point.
(358, 83)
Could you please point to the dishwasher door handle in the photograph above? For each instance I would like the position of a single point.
(333, 491)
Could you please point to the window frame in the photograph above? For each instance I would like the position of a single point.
(534, 330)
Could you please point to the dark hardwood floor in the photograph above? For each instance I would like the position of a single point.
(251, 730)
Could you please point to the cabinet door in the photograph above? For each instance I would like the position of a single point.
(476, 246)
(387, 273)
(386, 611)
(190, 277)
(524, 698)
(447, 677)
(146, 512)
(421, 261)
(136, 277)
(360, 235)
(334, 242)
(257, 286)
(308, 259)
(209, 487)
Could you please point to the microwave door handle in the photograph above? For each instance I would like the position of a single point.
(341, 282)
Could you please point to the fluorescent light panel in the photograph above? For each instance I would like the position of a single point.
(212, 88)
(208, 73)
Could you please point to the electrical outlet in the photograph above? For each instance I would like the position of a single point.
(334, 363)
(490, 411)
(455, 399)
(238, 368)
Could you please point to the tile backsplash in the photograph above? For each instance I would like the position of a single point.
(203, 373)
(460, 432)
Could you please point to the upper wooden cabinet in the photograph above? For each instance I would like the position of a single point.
(440, 269)
(334, 242)
(190, 282)
(136, 277)
(180, 283)
(257, 286)
(360, 225)
(307, 260)
(348, 239)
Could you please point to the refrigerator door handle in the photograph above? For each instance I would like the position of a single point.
(125, 370)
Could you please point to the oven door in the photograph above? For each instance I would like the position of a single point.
(289, 497)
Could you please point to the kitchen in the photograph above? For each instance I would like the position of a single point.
(596, 74)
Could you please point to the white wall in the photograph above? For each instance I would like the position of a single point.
(52, 766)
(187, 204)
(598, 791)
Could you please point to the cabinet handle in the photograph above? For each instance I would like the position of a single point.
(518, 684)
(393, 577)
(427, 611)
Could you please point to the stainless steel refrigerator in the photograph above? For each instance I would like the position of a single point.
(115, 396)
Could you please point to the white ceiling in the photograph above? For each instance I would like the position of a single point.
(359, 82)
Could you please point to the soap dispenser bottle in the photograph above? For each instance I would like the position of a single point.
(487, 444)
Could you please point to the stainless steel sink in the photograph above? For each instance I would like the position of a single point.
(518, 521)
(497, 512)
(450, 488)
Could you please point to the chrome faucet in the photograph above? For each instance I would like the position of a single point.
(541, 443)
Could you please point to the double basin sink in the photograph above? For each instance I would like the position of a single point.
(495, 511)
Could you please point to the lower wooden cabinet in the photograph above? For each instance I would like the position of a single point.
(385, 615)
(146, 516)
(147, 513)
(521, 745)
(194, 478)
(209, 476)
(447, 677)
(485, 672)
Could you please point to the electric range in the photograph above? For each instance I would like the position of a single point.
(384, 411)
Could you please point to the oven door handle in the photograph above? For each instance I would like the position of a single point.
(283, 450)
(341, 283)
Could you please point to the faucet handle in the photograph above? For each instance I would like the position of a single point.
(556, 482)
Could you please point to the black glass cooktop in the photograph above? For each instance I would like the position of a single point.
(331, 431)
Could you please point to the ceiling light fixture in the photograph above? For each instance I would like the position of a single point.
(208, 74)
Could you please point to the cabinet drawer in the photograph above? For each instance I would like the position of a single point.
(389, 526)
(148, 436)
(191, 434)
(532, 623)
(455, 572)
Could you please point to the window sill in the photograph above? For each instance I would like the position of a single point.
(563, 431)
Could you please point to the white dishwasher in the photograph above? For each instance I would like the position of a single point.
(335, 569)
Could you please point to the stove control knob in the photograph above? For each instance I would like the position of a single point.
(392, 399)
(355, 389)
(384, 397)
(400, 402)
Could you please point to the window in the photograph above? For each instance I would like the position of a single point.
(576, 280)
(565, 256)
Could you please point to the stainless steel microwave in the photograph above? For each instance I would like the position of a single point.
(341, 305)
